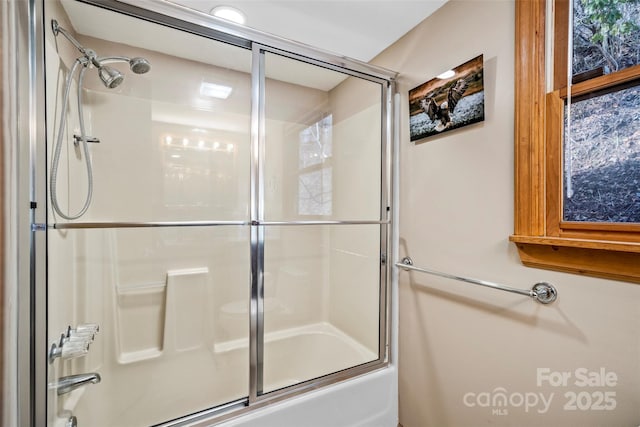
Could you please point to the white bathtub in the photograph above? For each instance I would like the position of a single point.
(370, 400)
(299, 354)
(179, 383)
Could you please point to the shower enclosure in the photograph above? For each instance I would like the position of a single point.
(217, 221)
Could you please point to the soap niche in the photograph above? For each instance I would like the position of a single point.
(141, 321)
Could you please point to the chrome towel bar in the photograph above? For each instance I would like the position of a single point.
(542, 292)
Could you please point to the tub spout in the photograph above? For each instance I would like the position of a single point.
(72, 382)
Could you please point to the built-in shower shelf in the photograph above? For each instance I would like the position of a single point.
(161, 318)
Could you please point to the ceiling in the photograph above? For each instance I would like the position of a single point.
(358, 29)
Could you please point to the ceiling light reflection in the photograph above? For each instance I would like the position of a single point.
(446, 75)
(213, 90)
(229, 13)
(200, 144)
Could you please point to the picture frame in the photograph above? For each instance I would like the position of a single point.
(451, 100)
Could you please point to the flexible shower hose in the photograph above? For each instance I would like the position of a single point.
(58, 147)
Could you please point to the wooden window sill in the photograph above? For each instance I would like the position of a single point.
(608, 259)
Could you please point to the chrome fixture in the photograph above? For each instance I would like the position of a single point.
(139, 65)
(111, 78)
(77, 139)
(74, 342)
(84, 329)
(542, 292)
(72, 422)
(68, 350)
(71, 382)
(90, 225)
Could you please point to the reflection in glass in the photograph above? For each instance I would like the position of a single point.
(316, 143)
(315, 185)
(200, 171)
(314, 192)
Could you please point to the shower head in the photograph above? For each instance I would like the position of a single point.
(139, 65)
(110, 76)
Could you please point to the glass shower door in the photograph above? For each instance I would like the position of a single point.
(324, 216)
(235, 235)
(160, 260)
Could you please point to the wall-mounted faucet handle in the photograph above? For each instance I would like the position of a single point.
(93, 327)
(84, 329)
(74, 342)
(73, 350)
(68, 350)
(72, 335)
(78, 339)
(85, 332)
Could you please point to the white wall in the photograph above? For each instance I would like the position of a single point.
(456, 216)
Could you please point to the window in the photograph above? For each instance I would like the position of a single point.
(315, 171)
(602, 158)
(601, 143)
(577, 204)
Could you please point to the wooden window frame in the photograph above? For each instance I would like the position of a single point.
(610, 250)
